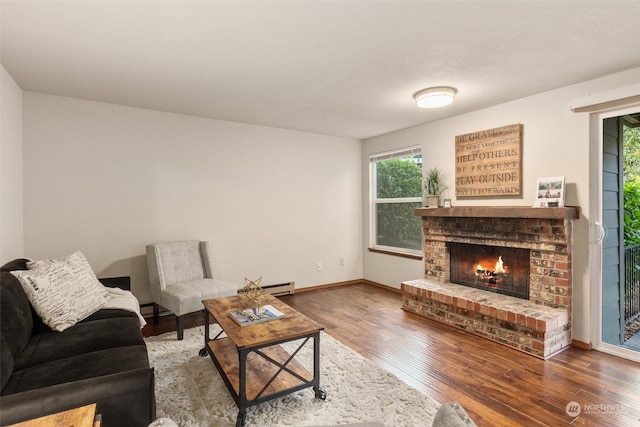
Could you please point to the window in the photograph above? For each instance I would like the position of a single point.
(396, 191)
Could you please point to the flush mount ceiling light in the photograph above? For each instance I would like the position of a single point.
(435, 97)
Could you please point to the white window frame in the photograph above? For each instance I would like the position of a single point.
(373, 202)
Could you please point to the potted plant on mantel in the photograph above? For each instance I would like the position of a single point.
(433, 184)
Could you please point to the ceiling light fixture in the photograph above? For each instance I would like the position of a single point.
(435, 97)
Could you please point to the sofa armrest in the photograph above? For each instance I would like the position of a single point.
(125, 398)
(123, 282)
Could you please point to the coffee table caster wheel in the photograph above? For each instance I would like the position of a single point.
(203, 352)
(320, 393)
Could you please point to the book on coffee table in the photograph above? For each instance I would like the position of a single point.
(251, 316)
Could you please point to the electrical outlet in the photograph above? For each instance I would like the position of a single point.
(341, 262)
(319, 266)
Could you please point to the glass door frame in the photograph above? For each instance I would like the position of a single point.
(597, 231)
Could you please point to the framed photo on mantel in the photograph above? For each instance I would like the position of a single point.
(549, 192)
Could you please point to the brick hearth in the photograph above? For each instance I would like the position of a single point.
(540, 326)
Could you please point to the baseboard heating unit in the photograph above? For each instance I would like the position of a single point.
(280, 289)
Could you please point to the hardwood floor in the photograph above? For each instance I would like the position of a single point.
(497, 386)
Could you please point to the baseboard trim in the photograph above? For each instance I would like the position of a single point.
(581, 344)
(329, 285)
(348, 283)
(380, 285)
(147, 309)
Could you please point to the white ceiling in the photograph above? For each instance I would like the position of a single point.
(344, 68)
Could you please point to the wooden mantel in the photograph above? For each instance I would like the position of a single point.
(570, 212)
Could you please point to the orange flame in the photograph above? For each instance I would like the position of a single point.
(498, 268)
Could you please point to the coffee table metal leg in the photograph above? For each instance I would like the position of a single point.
(320, 393)
(243, 403)
(242, 416)
(205, 349)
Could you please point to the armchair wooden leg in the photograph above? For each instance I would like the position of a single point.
(156, 313)
(180, 327)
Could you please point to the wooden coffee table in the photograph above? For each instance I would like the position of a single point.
(84, 416)
(253, 365)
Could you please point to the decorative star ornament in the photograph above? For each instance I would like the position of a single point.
(251, 292)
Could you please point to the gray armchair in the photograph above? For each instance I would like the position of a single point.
(181, 276)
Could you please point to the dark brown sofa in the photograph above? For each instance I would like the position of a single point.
(102, 359)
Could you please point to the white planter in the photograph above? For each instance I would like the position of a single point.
(430, 201)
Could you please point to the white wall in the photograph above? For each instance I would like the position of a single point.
(555, 143)
(11, 182)
(108, 179)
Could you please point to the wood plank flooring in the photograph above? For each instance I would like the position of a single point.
(497, 386)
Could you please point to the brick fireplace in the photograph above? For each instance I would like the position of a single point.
(539, 325)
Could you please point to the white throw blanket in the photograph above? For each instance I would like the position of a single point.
(124, 300)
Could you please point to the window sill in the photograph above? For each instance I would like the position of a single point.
(396, 253)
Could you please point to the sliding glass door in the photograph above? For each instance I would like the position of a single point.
(613, 244)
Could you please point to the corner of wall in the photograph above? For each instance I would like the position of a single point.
(11, 169)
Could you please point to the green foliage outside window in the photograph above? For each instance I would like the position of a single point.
(399, 178)
(397, 226)
(631, 167)
(631, 140)
(632, 212)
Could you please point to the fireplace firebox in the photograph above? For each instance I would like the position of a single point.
(492, 268)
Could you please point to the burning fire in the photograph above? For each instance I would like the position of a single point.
(498, 268)
(492, 275)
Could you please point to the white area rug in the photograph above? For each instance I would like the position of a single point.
(189, 389)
